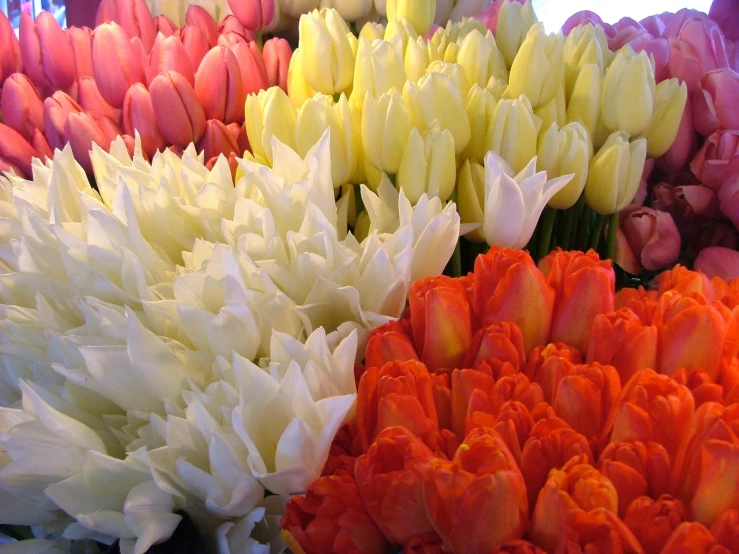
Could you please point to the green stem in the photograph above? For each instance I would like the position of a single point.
(612, 232)
(337, 97)
(353, 28)
(259, 41)
(597, 232)
(582, 231)
(454, 267)
(573, 221)
(547, 224)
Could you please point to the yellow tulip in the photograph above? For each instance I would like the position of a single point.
(480, 107)
(455, 72)
(480, 58)
(401, 28)
(420, 13)
(585, 100)
(378, 68)
(514, 21)
(669, 104)
(581, 48)
(298, 88)
(372, 31)
(471, 197)
(554, 111)
(565, 151)
(428, 164)
(416, 59)
(628, 92)
(513, 131)
(538, 69)
(386, 125)
(497, 87)
(269, 114)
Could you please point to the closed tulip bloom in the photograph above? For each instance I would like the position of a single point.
(41, 146)
(81, 40)
(197, 16)
(416, 59)
(669, 103)
(254, 14)
(390, 342)
(218, 86)
(139, 117)
(324, 37)
(685, 282)
(217, 140)
(480, 58)
(378, 68)
(718, 159)
(276, 54)
(269, 114)
(15, 152)
(693, 537)
(547, 365)
(581, 48)
(512, 132)
(724, 13)
(169, 54)
(385, 128)
(10, 51)
(47, 54)
(654, 521)
(718, 261)
(57, 109)
(166, 26)
(196, 44)
(538, 69)
(514, 21)
(598, 530)
(713, 106)
(565, 151)
(706, 38)
(554, 111)
(651, 236)
(180, 116)
(584, 102)
(372, 31)
(90, 99)
(427, 165)
(725, 529)
(116, 63)
(252, 65)
(628, 92)
(84, 129)
(420, 13)
(21, 105)
(471, 197)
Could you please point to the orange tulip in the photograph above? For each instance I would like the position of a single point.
(726, 530)
(516, 387)
(700, 386)
(509, 287)
(441, 320)
(551, 443)
(692, 538)
(586, 397)
(443, 443)
(399, 393)
(577, 487)
(343, 452)
(718, 488)
(598, 531)
(548, 364)
(640, 301)
(390, 342)
(484, 479)
(517, 546)
(513, 424)
(655, 408)
(390, 481)
(443, 399)
(653, 521)
(680, 279)
(430, 543)
(469, 385)
(331, 519)
(584, 287)
(621, 339)
(636, 469)
(502, 342)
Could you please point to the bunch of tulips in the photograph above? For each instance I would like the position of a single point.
(527, 409)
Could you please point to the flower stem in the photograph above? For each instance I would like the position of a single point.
(612, 232)
(572, 218)
(454, 267)
(353, 28)
(547, 224)
(597, 232)
(259, 41)
(582, 231)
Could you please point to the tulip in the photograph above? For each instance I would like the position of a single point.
(41, 146)
(707, 43)
(268, 114)
(471, 197)
(513, 23)
(554, 111)
(685, 282)
(386, 127)
(725, 529)
(57, 109)
(133, 16)
(659, 50)
(684, 146)
(10, 52)
(419, 13)
(195, 43)
(165, 26)
(404, 31)
(197, 16)
(512, 133)
(252, 66)
(500, 342)
(723, 12)
(517, 546)
(81, 40)
(391, 470)
(48, 56)
(547, 365)
(378, 68)
(15, 152)
(116, 64)
(717, 261)
(694, 538)
(713, 108)
(91, 101)
(584, 288)
(330, 519)
(480, 58)
(169, 54)
(390, 342)
(21, 105)
(598, 530)
(585, 99)
(628, 93)
(139, 117)
(651, 236)
(615, 172)
(718, 159)
(218, 86)
(538, 69)
(581, 48)
(654, 521)
(217, 140)
(669, 104)
(277, 54)
(700, 385)
(254, 14)
(84, 129)
(565, 151)
(179, 115)
(583, 17)
(427, 165)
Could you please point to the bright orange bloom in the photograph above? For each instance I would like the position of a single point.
(653, 521)
(551, 443)
(517, 387)
(513, 424)
(399, 393)
(443, 399)
(585, 288)
(517, 546)
(692, 538)
(586, 397)
(509, 287)
(730, 380)
(636, 469)
(726, 530)
(621, 339)
(682, 280)
(443, 443)
(598, 531)
(577, 487)
(469, 385)
(389, 343)
(640, 301)
(700, 386)
(655, 408)
(345, 447)
(548, 364)
(390, 482)
(441, 319)
(718, 488)
(502, 342)
(331, 519)
(478, 500)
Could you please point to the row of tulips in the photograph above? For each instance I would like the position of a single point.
(529, 410)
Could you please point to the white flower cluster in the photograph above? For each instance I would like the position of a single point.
(175, 342)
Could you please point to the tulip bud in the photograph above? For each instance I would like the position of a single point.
(81, 40)
(57, 109)
(628, 92)
(554, 111)
(403, 29)
(10, 51)
(480, 58)
(669, 104)
(139, 117)
(84, 129)
(197, 16)
(195, 43)
(166, 26)
(372, 31)
(169, 54)
(378, 68)
(298, 88)
(180, 116)
(436, 98)
(218, 86)
(90, 99)
(713, 103)
(471, 197)
(514, 21)
(21, 105)
(322, 35)
(615, 172)
(420, 13)
(585, 100)
(428, 164)
(276, 54)
(269, 114)
(385, 128)
(512, 132)
(538, 69)
(47, 54)
(480, 108)
(416, 59)
(115, 62)
(456, 74)
(254, 14)
(565, 151)
(15, 152)
(581, 48)
(217, 140)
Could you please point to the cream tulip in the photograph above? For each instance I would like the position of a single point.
(565, 151)
(428, 164)
(372, 31)
(669, 103)
(400, 28)
(628, 92)
(386, 125)
(581, 48)
(538, 69)
(297, 87)
(512, 132)
(416, 59)
(378, 68)
(420, 13)
(480, 108)
(269, 114)
(514, 21)
(455, 72)
(585, 100)
(480, 58)
(471, 197)
(554, 111)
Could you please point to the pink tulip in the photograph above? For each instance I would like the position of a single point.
(728, 197)
(231, 39)
(130, 143)
(21, 105)
(57, 109)
(625, 36)
(217, 140)
(41, 146)
(651, 235)
(195, 43)
(253, 14)
(583, 18)
(197, 16)
(643, 190)
(169, 54)
(166, 26)
(239, 134)
(726, 14)
(718, 158)
(674, 22)
(276, 54)
(132, 15)
(654, 25)
(83, 129)
(696, 201)
(717, 261)
(107, 12)
(138, 116)
(685, 63)
(684, 147)
(627, 22)
(659, 49)
(732, 53)
(180, 116)
(81, 40)
(663, 197)
(219, 87)
(89, 97)
(10, 50)
(231, 25)
(252, 67)
(708, 50)
(715, 102)
(15, 152)
(116, 62)
(47, 53)
(713, 233)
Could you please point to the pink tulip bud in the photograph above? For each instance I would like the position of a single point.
(217, 140)
(684, 146)
(10, 50)
(138, 116)
(169, 54)
(107, 12)
(659, 49)
(252, 67)
(231, 39)
(582, 18)
(85, 128)
(715, 102)
(674, 22)
(180, 116)
(21, 105)
(197, 16)
(219, 87)
(253, 14)
(90, 99)
(728, 197)
(130, 143)
(706, 53)
(81, 40)
(276, 54)
(195, 43)
(166, 26)
(696, 201)
(652, 236)
(726, 14)
(47, 53)
(132, 15)
(626, 36)
(57, 109)
(116, 63)
(654, 25)
(716, 261)
(41, 146)
(231, 25)
(239, 133)
(15, 152)
(718, 158)
(663, 197)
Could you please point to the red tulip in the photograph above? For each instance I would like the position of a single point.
(596, 531)
(10, 51)
(717, 261)
(217, 140)
(252, 67)
(725, 13)
(713, 105)
(21, 105)
(57, 109)
(512, 423)
(548, 364)
(47, 54)
(718, 159)
(169, 54)
(91, 101)
(84, 129)
(15, 152)
(517, 546)
(253, 14)
(218, 86)
(180, 116)
(116, 62)
(277, 54)
(139, 116)
(651, 237)
(81, 40)
(390, 342)
(693, 538)
(700, 386)
(197, 16)
(654, 521)
(726, 530)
